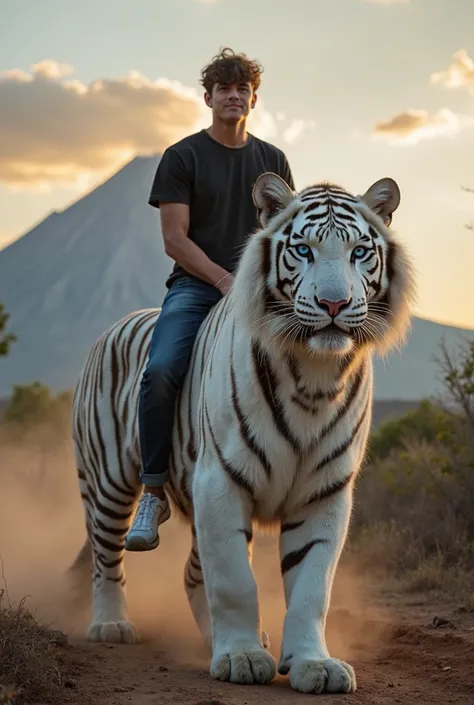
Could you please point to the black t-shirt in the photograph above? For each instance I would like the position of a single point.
(216, 182)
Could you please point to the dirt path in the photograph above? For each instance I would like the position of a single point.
(398, 656)
(395, 663)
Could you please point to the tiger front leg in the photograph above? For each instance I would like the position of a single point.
(223, 522)
(310, 546)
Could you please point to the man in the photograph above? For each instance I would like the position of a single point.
(203, 188)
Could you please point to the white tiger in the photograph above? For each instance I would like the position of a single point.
(270, 427)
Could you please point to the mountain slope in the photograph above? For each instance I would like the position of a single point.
(79, 270)
(412, 373)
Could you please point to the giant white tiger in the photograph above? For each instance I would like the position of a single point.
(270, 428)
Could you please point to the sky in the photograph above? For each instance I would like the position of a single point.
(352, 90)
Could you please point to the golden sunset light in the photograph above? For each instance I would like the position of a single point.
(237, 335)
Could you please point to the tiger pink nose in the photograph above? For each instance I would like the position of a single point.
(333, 307)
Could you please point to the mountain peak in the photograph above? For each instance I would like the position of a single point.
(79, 270)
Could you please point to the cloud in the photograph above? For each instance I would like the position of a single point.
(295, 129)
(460, 72)
(55, 129)
(412, 126)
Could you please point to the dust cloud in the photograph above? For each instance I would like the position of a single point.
(42, 529)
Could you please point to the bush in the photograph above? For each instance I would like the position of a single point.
(414, 499)
(30, 668)
(426, 423)
(32, 405)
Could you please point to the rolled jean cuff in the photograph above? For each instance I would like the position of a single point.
(156, 479)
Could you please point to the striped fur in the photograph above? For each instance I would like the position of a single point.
(270, 427)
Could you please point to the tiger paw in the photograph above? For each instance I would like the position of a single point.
(322, 676)
(113, 632)
(244, 667)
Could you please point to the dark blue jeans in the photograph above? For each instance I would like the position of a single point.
(184, 308)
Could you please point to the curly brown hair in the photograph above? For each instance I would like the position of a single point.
(229, 67)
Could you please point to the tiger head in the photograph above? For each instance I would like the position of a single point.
(332, 276)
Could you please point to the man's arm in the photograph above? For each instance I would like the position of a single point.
(178, 246)
(172, 194)
(285, 171)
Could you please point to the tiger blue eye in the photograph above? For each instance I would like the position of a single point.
(359, 252)
(302, 250)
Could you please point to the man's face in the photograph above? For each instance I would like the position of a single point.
(231, 102)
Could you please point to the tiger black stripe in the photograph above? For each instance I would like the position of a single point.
(248, 535)
(195, 564)
(342, 411)
(234, 475)
(215, 317)
(282, 281)
(110, 564)
(103, 454)
(268, 382)
(341, 449)
(266, 257)
(244, 427)
(302, 390)
(145, 341)
(193, 574)
(107, 545)
(294, 558)
(106, 511)
(115, 531)
(129, 491)
(190, 582)
(331, 489)
(291, 526)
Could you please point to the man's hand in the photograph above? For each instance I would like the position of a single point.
(225, 284)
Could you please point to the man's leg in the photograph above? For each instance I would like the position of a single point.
(184, 308)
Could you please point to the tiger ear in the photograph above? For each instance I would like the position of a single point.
(271, 194)
(383, 197)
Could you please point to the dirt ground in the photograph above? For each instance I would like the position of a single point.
(395, 663)
(399, 655)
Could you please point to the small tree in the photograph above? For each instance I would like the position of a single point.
(33, 404)
(35, 424)
(6, 339)
(458, 380)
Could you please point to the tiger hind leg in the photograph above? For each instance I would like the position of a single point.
(195, 592)
(109, 511)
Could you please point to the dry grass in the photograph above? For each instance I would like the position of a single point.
(30, 665)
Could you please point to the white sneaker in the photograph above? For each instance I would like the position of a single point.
(143, 534)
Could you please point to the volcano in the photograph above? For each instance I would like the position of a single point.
(79, 270)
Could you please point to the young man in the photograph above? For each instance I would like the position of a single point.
(203, 188)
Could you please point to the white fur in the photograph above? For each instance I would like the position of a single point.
(225, 605)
